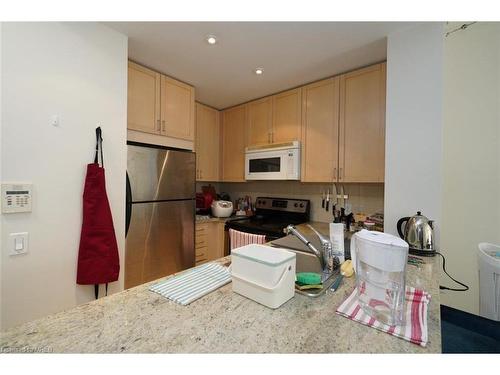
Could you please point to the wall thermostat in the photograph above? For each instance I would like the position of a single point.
(16, 198)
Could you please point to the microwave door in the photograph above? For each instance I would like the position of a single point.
(265, 166)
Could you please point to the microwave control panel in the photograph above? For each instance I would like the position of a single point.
(16, 198)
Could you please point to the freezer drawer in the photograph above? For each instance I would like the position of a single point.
(158, 174)
(160, 240)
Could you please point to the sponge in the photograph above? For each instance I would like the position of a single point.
(301, 286)
(308, 278)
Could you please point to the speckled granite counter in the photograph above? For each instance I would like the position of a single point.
(140, 321)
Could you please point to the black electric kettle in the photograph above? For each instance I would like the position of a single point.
(419, 233)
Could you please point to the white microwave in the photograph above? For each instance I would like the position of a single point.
(274, 162)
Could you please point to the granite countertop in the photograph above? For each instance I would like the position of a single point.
(139, 321)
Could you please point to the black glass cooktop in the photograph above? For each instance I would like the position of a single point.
(271, 227)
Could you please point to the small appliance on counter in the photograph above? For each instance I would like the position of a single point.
(204, 200)
(222, 208)
(263, 275)
(419, 233)
(379, 261)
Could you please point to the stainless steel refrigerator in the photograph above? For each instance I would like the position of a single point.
(160, 209)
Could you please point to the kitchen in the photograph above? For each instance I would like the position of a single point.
(352, 121)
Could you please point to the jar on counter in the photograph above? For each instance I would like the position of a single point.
(370, 225)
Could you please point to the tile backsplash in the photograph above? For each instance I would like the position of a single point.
(366, 198)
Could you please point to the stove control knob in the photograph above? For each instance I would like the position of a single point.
(296, 205)
(302, 205)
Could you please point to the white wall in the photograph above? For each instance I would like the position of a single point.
(79, 72)
(414, 124)
(471, 155)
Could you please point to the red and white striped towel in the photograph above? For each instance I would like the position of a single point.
(239, 239)
(415, 330)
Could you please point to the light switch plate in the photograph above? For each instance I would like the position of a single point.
(21, 240)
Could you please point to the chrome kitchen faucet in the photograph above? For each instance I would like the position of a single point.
(328, 258)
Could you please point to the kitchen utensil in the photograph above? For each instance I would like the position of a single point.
(222, 208)
(327, 200)
(337, 282)
(323, 199)
(418, 232)
(380, 265)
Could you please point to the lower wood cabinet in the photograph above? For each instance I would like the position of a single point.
(209, 241)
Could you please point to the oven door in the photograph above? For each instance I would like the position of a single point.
(272, 165)
(242, 228)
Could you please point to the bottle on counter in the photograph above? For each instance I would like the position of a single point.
(337, 239)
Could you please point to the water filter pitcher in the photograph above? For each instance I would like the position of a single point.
(380, 264)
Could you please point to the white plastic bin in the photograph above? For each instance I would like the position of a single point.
(264, 274)
(488, 258)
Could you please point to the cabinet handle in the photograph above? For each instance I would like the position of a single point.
(163, 125)
(158, 125)
(335, 173)
(340, 173)
(201, 173)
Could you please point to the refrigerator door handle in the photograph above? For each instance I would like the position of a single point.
(128, 205)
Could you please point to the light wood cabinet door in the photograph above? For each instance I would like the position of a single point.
(287, 116)
(260, 117)
(362, 125)
(209, 241)
(143, 104)
(207, 143)
(177, 109)
(233, 144)
(320, 126)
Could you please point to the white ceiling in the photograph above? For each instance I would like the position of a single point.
(291, 53)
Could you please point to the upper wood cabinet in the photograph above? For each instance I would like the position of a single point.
(287, 113)
(320, 125)
(233, 143)
(275, 119)
(260, 117)
(143, 99)
(362, 125)
(207, 143)
(158, 104)
(177, 109)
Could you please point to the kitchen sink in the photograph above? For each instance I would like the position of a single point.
(307, 262)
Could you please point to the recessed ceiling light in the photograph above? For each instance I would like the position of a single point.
(211, 39)
(259, 71)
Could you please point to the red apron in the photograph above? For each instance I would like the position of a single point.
(98, 261)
